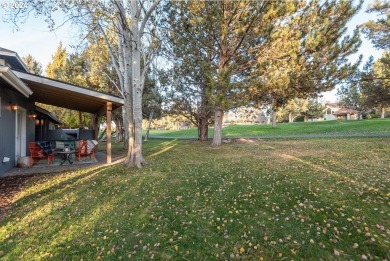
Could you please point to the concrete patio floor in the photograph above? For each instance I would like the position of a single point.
(44, 168)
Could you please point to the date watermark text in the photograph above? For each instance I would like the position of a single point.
(13, 5)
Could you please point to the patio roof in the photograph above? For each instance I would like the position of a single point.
(61, 94)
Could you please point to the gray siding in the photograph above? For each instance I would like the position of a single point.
(70, 134)
(87, 135)
(7, 124)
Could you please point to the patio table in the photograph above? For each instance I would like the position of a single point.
(66, 156)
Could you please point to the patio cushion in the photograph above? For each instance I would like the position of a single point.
(90, 145)
(60, 145)
(46, 146)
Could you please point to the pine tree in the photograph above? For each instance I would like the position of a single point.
(216, 44)
(375, 83)
(71, 68)
(308, 54)
(101, 74)
(55, 69)
(379, 31)
(314, 110)
(188, 82)
(269, 51)
(33, 65)
(349, 93)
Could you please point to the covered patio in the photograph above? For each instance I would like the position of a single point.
(65, 95)
(54, 168)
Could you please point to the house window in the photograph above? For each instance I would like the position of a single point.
(328, 111)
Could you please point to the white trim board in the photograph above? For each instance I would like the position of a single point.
(67, 86)
(9, 76)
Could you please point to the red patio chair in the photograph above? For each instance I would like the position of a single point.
(84, 151)
(37, 154)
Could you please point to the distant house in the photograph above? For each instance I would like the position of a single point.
(335, 112)
(21, 121)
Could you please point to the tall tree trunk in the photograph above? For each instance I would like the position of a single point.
(129, 127)
(126, 130)
(148, 128)
(135, 157)
(129, 114)
(118, 120)
(217, 137)
(126, 60)
(290, 118)
(119, 130)
(124, 69)
(273, 117)
(203, 128)
(383, 112)
(273, 113)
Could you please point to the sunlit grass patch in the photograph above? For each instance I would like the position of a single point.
(346, 127)
(275, 199)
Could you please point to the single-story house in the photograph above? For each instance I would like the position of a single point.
(21, 121)
(334, 112)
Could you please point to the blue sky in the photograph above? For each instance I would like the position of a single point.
(36, 39)
(366, 48)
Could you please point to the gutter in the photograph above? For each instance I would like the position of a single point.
(7, 74)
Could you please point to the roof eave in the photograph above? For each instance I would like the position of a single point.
(67, 86)
(15, 54)
(7, 74)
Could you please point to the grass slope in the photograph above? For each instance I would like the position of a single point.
(255, 200)
(375, 126)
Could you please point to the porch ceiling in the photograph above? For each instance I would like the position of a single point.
(68, 96)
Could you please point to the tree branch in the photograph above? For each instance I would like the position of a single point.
(147, 16)
(113, 57)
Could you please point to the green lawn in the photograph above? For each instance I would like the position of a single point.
(255, 200)
(375, 126)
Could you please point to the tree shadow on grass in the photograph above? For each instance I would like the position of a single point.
(63, 207)
(79, 213)
(29, 181)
